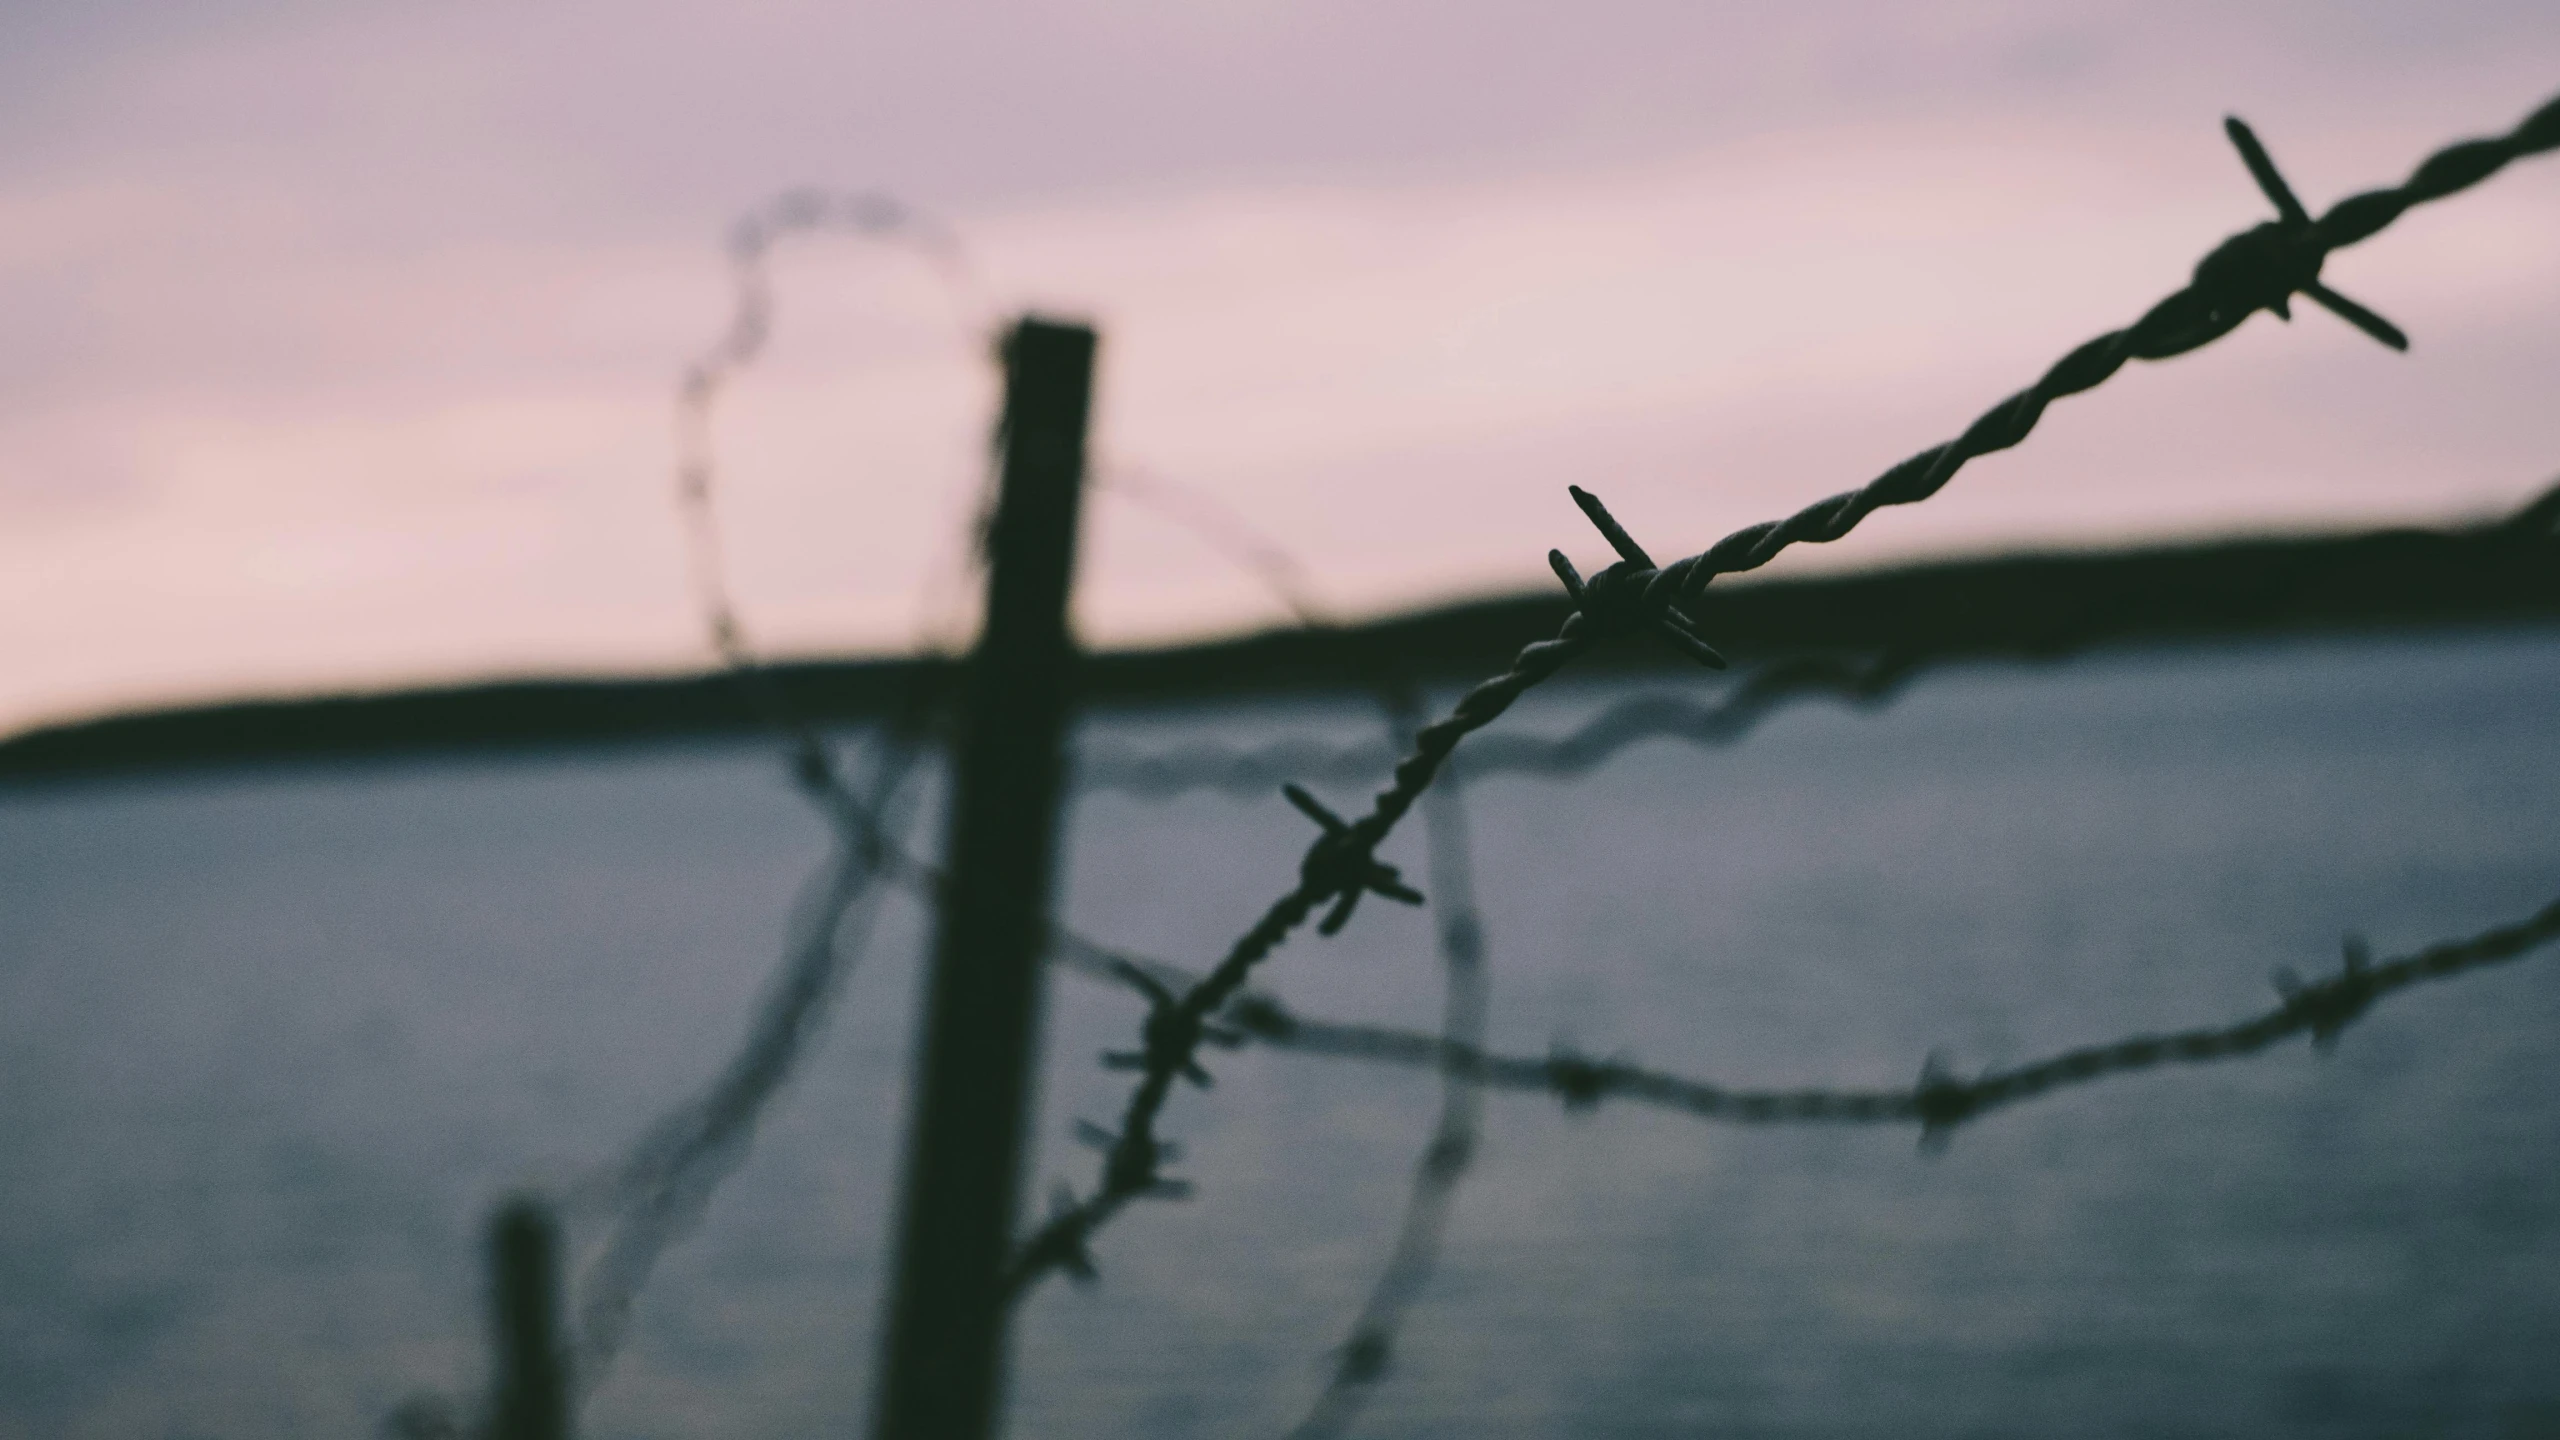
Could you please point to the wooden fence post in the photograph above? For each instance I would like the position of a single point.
(529, 1390)
(943, 1366)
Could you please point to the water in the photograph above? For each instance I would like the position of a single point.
(271, 1042)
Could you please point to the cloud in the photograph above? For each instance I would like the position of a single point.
(335, 346)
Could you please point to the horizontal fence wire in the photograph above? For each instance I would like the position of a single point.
(2261, 268)
(1938, 1102)
(1256, 771)
(1941, 1099)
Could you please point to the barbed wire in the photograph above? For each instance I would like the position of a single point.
(1938, 1102)
(2257, 269)
(1362, 1360)
(2322, 1007)
(1941, 1099)
(660, 1190)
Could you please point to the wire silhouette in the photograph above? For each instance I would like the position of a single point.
(1362, 1360)
(660, 1188)
(1941, 1099)
(2257, 269)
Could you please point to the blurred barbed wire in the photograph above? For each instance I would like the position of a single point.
(1941, 1099)
(659, 1188)
(658, 1191)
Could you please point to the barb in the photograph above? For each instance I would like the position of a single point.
(2257, 269)
(1365, 1356)
(1942, 1099)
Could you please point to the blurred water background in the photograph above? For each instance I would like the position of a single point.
(272, 1040)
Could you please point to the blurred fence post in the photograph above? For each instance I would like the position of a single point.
(529, 1389)
(943, 1363)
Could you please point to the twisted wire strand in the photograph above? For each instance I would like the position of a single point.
(2258, 269)
(1941, 1100)
(1364, 1357)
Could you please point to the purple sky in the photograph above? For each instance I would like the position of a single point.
(336, 341)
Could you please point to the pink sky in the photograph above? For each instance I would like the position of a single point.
(337, 342)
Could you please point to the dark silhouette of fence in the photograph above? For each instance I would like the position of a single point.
(1186, 1011)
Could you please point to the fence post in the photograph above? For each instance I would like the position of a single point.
(529, 1390)
(943, 1362)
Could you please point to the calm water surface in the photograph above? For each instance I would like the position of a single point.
(270, 1043)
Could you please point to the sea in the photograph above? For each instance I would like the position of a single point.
(274, 1040)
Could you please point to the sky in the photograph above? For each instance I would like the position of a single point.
(338, 342)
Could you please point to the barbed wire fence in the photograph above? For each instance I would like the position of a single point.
(659, 1190)
(2259, 269)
